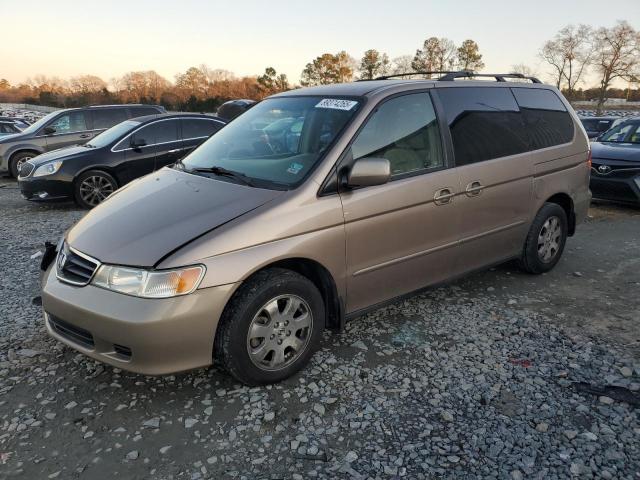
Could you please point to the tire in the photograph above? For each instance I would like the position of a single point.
(17, 159)
(103, 186)
(546, 239)
(246, 317)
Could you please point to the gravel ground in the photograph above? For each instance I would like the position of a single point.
(499, 375)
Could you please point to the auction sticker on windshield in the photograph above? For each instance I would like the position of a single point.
(336, 103)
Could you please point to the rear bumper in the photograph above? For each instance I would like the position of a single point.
(148, 336)
(45, 189)
(625, 190)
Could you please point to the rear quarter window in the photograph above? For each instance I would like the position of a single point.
(108, 117)
(485, 123)
(546, 118)
(199, 128)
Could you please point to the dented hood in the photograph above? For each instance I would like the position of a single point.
(157, 214)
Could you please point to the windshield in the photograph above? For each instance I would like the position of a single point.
(625, 132)
(34, 127)
(112, 134)
(278, 142)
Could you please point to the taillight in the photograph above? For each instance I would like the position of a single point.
(589, 159)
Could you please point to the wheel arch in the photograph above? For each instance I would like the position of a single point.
(565, 201)
(98, 168)
(320, 276)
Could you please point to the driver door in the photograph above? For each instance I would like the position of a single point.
(70, 129)
(402, 235)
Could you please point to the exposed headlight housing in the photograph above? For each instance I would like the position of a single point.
(48, 168)
(149, 283)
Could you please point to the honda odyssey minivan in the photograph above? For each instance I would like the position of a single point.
(311, 208)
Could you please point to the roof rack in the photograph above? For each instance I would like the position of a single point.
(408, 74)
(448, 76)
(500, 77)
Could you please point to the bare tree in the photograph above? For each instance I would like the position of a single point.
(617, 55)
(437, 54)
(402, 64)
(569, 54)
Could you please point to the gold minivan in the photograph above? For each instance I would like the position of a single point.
(311, 208)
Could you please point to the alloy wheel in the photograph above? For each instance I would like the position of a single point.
(95, 189)
(21, 162)
(549, 239)
(279, 333)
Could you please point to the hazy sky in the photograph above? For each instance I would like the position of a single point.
(107, 38)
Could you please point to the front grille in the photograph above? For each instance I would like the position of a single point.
(26, 169)
(618, 171)
(71, 332)
(73, 267)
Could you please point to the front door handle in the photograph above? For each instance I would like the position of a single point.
(443, 196)
(175, 150)
(85, 135)
(474, 189)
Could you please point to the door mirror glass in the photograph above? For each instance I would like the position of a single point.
(369, 171)
(49, 130)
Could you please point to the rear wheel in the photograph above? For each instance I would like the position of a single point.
(546, 239)
(93, 187)
(270, 328)
(17, 159)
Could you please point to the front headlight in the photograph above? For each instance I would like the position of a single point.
(47, 169)
(149, 283)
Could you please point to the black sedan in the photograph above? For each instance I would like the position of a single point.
(596, 126)
(89, 173)
(615, 167)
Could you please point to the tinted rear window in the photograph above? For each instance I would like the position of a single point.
(108, 117)
(199, 128)
(485, 123)
(545, 116)
(143, 111)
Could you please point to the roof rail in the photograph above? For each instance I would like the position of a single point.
(500, 77)
(407, 74)
(447, 76)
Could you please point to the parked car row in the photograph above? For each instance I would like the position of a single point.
(90, 172)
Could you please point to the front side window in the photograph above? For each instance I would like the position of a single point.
(404, 130)
(69, 123)
(277, 142)
(112, 134)
(108, 117)
(199, 128)
(485, 123)
(626, 132)
(545, 116)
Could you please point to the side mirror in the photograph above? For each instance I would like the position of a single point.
(49, 130)
(369, 171)
(137, 142)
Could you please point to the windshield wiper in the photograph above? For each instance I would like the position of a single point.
(223, 172)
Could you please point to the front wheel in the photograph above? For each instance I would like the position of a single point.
(93, 187)
(17, 160)
(270, 328)
(546, 239)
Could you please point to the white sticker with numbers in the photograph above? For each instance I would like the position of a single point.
(336, 104)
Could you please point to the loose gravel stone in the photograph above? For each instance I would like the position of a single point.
(471, 380)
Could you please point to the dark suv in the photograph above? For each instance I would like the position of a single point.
(63, 128)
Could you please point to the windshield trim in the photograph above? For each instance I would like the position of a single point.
(362, 100)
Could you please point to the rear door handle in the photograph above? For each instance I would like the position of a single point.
(443, 196)
(474, 189)
(175, 150)
(85, 135)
